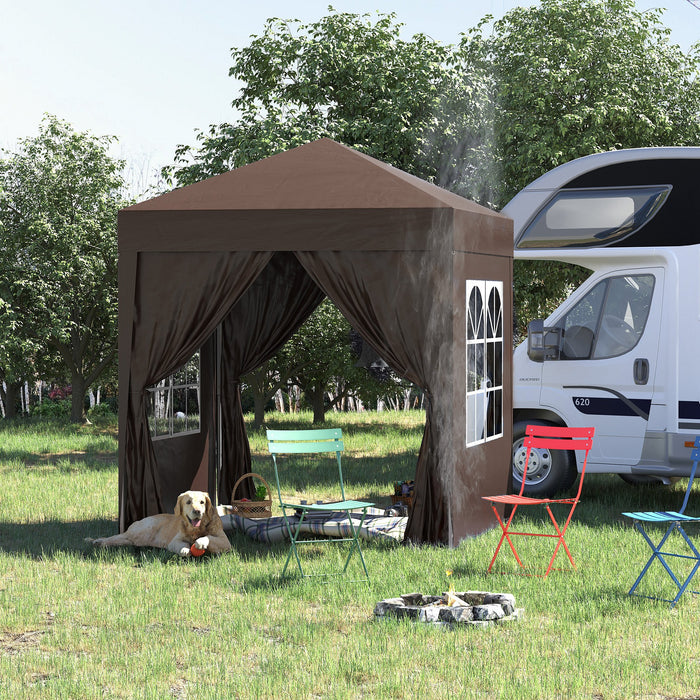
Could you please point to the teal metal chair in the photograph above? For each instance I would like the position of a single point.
(286, 444)
(675, 521)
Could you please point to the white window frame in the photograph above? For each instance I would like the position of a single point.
(484, 346)
(167, 388)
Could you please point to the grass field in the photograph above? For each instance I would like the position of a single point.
(77, 624)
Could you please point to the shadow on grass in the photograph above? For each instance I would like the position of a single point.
(38, 540)
(315, 561)
(415, 424)
(312, 476)
(74, 460)
(47, 539)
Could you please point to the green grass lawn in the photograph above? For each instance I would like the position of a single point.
(77, 624)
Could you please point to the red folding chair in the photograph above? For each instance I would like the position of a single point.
(543, 437)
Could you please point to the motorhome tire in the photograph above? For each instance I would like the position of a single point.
(548, 472)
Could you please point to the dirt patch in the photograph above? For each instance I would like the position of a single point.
(71, 457)
(15, 643)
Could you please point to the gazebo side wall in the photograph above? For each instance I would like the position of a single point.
(483, 469)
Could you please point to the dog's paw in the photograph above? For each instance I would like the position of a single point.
(184, 552)
(202, 543)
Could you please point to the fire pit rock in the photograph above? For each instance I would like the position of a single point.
(475, 608)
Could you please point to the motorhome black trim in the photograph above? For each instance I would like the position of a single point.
(619, 406)
(676, 223)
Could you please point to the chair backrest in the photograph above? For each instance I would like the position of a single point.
(287, 442)
(695, 456)
(553, 437)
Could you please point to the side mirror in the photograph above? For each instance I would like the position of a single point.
(542, 343)
(535, 340)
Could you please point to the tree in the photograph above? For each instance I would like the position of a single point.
(575, 77)
(416, 104)
(316, 355)
(59, 197)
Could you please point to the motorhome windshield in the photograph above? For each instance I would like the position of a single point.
(593, 217)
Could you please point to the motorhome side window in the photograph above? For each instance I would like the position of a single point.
(593, 217)
(609, 320)
(173, 403)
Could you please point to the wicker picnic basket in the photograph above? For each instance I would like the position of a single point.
(252, 509)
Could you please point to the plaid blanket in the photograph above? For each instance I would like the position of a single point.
(336, 524)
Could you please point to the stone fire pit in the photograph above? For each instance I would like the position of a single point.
(469, 607)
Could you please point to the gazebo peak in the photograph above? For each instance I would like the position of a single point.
(322, 174)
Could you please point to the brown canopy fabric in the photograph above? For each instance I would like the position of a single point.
(234, 264)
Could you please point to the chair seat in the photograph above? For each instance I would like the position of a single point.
(516, 500)
(331, 506)
(661, 517)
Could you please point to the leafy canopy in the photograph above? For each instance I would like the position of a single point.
(59, 197)
(552, 82)
(416, 104)
(575, 77)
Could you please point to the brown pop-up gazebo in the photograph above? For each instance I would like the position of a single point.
(234, 264)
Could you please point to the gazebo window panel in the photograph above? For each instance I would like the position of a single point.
(174, 402)
(484, 352)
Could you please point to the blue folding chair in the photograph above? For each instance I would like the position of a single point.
(675, 522)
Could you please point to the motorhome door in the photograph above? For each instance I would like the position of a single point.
(606, 367)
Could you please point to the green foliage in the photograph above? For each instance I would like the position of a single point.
(576, 77)
(101, 413)
(49, 408)
(539, 286)
(552, 82)
(416, 104)
(319, 360)
(59, 197)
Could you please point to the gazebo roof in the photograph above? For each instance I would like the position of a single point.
(319, 175)
(320, 196)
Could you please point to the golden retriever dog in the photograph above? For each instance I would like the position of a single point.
(195, 521)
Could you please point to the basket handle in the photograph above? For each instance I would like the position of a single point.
(250, 475)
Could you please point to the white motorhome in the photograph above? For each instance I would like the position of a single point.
(622, 352)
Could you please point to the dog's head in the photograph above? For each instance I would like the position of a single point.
(195, 507)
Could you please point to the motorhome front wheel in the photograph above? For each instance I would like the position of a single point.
(548, 472)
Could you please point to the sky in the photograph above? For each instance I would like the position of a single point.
(154, 72)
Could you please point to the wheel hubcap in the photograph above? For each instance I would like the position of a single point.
(539, 467)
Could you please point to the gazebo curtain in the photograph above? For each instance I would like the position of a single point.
(179, 301)
(272, 308)
(260, 298)
(394, 301)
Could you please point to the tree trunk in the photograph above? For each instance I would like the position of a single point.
(259, 405)
(317, 398)
(11, 398)
(77, 404)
